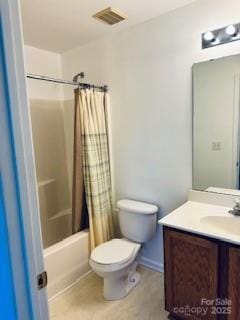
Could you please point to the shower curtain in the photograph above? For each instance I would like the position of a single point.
(79, 211)
(93, 149)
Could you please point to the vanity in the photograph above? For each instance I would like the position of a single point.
(202, 259)
(201, 238)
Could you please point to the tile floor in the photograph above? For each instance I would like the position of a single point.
(84, 301)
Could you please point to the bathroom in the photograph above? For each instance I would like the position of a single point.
(158, 70)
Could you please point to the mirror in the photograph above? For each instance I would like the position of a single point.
(216, 85)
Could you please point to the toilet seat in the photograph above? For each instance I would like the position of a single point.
(116, 251)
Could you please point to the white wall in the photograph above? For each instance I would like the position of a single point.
(148, 70)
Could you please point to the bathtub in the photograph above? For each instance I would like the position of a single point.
(66, 262)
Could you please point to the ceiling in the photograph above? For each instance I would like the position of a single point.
(60, 25)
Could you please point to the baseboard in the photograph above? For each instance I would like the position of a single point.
(151, 264)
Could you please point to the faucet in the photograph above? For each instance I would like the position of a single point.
(236, 209)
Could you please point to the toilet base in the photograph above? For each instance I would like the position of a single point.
(116, 289)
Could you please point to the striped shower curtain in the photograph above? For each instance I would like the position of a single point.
(96, 166)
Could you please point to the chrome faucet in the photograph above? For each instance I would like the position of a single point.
(236, 209)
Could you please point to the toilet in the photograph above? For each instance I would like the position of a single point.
(116, 260)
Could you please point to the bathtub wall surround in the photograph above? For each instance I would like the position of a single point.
(153, 154)
(51, 168)
(67, 260)
(54, 182)
(49, 63)
(40, 61)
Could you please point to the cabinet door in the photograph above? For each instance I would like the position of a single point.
(191, 273)
(234, 283)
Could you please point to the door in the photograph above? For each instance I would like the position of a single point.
(20, 239)
(234, 283)
(8, 305)
(191, 273)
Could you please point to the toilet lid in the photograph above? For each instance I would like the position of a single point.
(114, 251)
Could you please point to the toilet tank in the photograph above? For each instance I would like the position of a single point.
(137, 220)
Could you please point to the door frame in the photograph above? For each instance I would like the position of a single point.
(17, 170)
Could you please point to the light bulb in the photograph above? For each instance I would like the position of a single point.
(231, 30)
(209, 36)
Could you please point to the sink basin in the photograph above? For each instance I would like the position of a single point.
(226, 225)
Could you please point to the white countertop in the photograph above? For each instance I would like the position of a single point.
(205, 219)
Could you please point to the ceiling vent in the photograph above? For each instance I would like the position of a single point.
(110, 16)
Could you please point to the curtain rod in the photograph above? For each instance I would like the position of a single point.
(74, 83)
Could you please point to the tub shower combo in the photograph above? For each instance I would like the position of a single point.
(66, 246)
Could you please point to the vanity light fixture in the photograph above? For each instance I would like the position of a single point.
(231, 30)
(209, 36)
(220, 36)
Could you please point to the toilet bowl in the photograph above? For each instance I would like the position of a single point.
(116, 260)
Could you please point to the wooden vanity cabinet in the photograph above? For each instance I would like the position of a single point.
(234, 283)
(191, 269)
(197, 268)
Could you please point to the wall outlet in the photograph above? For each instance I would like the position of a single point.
(216, 146)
